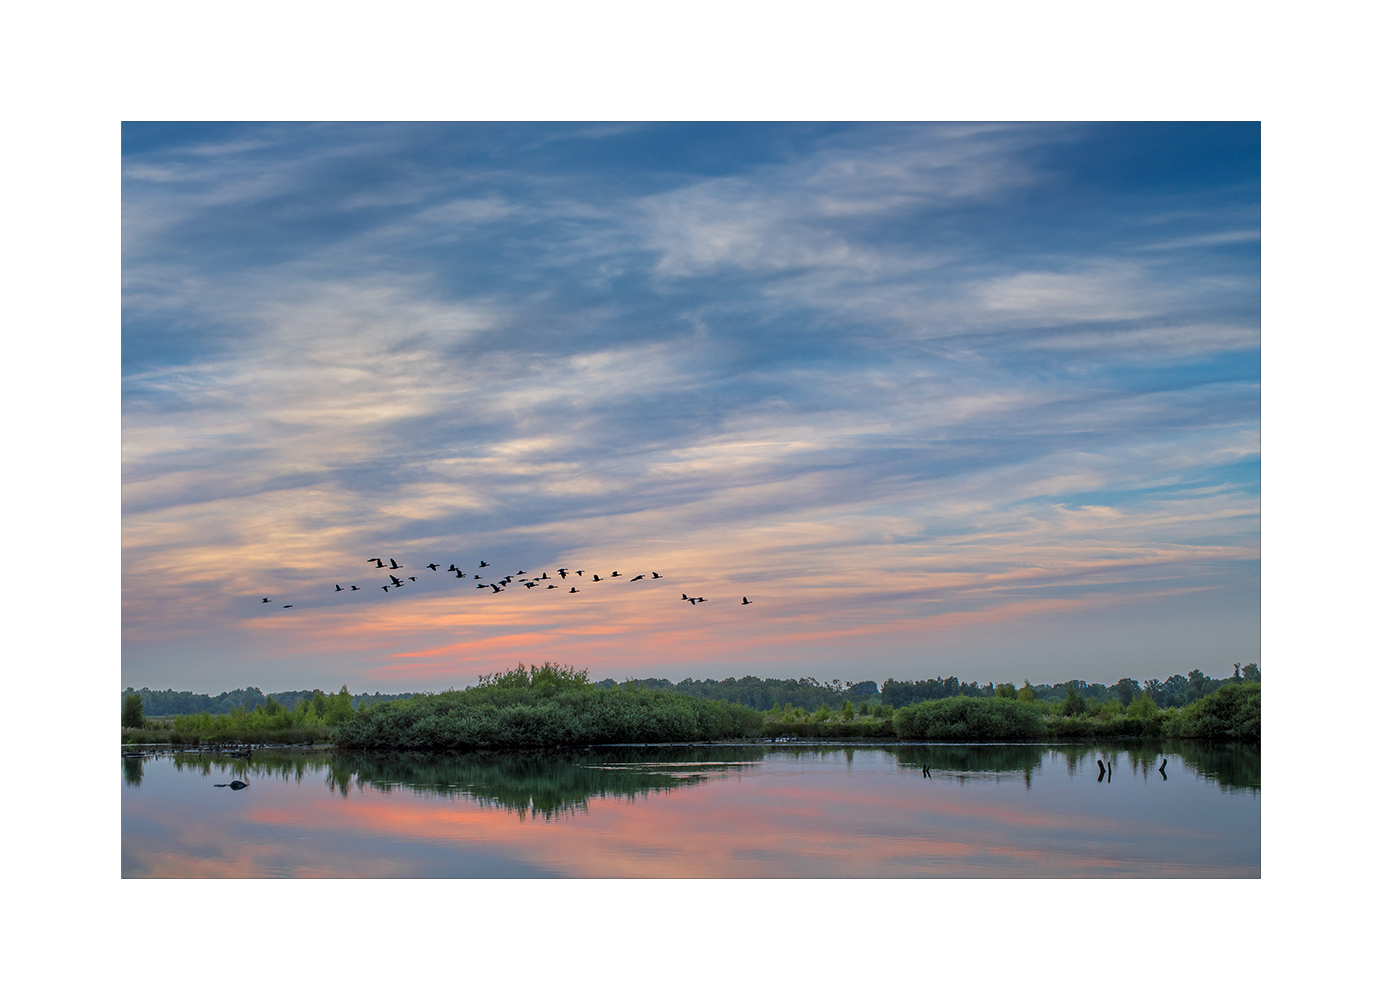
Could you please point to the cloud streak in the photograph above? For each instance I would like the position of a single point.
(878, 376)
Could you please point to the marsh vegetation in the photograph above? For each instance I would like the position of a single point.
(551, 706)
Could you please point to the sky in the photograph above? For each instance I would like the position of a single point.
(942, 399)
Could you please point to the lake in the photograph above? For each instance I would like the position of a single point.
(718, 811)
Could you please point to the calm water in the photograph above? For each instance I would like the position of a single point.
(698, 811)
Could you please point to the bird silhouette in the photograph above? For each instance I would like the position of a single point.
(614, 574)
(573, 590)
(393, 564)
(495, 586)
(522, 572)
(685, 598)
(657, 576)
(596, 577)
(635, 579)
(385, 588)
(460, 575)
(530, 584)
(413, 578)
(551, 586)
(545, 576)
(483, 564)
(452, 568)
(264, 601)
(563, 573)
(378, 563)
(579, 572)
(338, 586)
(287, 605)
(432, 567)
(746, 601)
(353, 587)
(396, 581)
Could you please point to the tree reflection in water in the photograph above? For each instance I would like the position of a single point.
(557, 784)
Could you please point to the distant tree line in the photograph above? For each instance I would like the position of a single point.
(764, 694)
(170, 702)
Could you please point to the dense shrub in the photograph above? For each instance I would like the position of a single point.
(963, 718)
(546, 707)
(1233, 713)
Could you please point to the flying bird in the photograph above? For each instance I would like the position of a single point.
(385, 588)
(551, 586)
(495, 586)
(392, 564)
(338, 586)
(596, 577)
(483, 564)
(432, 567)
(573, 590)
(353, 587)
(563, 573)
(635, 579)
(746, 601)
(579, 572)
(413, 578)
(657, 576)
(287, 605)
(452, 568)
(460, 575)
(614, 574)
(685, 598)
(378, 563)
(264, 601)
(396, 581)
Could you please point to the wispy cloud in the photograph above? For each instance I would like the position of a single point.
(828, 375)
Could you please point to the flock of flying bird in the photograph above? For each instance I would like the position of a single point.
(499, 586)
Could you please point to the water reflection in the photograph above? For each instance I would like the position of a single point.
(713, 811)
(550, 785)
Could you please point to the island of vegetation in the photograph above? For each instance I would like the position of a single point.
(552, 706)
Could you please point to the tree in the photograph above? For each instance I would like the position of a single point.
(1028, 693)
(1073, 704)
(848, 711)
(1008, 691)
(1127, 689)
(1252, 674)
(132, 713)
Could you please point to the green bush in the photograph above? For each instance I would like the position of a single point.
(546, 706)
(1231, 714)
(962, 718)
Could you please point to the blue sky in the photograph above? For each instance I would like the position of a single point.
(972, 399)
